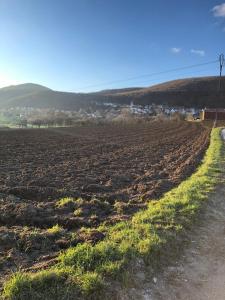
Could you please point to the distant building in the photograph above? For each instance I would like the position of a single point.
(213, 114)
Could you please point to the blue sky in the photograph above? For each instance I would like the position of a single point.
(86, 45)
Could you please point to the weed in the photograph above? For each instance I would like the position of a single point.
(64, 202)
(78, 212)
(56, 229)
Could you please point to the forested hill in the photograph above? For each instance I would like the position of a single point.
(197, 92)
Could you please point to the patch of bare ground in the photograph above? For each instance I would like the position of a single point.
(110, 172)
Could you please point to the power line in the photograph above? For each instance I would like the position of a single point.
(150, 75)
(179, 76)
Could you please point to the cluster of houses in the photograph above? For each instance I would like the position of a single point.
(152, 109)
(104, 111)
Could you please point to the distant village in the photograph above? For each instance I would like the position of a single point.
(100, 112)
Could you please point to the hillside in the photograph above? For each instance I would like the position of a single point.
(37, 96)
(119, 91)
(197, 92)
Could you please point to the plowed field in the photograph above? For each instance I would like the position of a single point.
(110, 172)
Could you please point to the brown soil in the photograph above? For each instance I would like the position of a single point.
(113, 168)
(199, 273)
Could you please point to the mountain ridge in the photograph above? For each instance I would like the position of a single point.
(195, 91)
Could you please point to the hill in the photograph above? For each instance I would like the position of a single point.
(197, 92)
(37, 96)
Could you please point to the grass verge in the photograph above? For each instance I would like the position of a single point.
(83, 271)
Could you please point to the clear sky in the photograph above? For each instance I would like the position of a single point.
(83, 45)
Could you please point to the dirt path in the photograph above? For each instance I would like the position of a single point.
(199, 274)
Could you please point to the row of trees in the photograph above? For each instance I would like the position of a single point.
(41, 122)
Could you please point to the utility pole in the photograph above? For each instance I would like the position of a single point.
(222, 62)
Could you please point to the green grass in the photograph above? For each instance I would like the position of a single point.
(78, 212)
(84, 270)
(65, 202)
(56, 229)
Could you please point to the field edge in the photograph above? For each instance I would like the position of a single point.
(85, 271)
